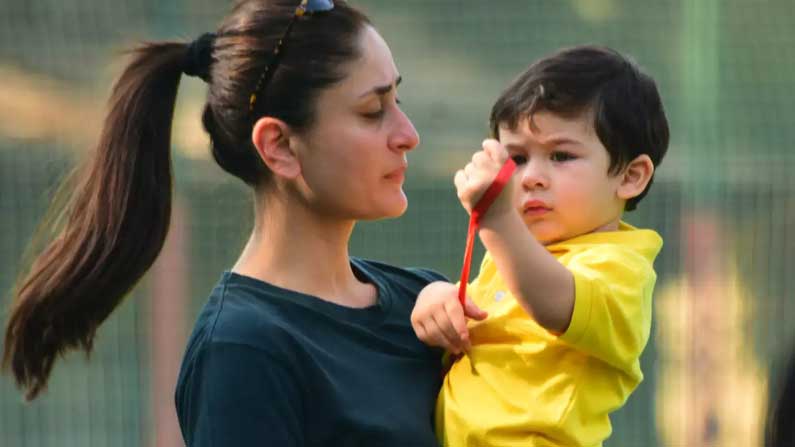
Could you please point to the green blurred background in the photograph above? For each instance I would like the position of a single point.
(722, 199)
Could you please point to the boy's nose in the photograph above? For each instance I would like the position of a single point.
(534, 176)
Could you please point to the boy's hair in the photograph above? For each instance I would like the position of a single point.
(627, 112)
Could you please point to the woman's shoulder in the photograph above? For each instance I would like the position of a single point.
(407, 275)
(242, 311)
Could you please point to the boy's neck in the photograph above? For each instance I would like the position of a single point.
(612, 225)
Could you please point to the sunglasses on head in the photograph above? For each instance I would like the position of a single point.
(306, 7)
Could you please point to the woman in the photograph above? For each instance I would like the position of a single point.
(299, 344)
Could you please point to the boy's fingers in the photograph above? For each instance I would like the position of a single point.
(447, 331)
(456, 316)
(495, 150)
(440, 337)
(419, 329)
(430, 335)
(470, 170)
(481, 159)
(463, 189)
(471, 310)
(460, 181)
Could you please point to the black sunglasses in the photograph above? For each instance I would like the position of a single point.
(306, 7)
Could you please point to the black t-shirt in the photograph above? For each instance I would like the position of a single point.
(266, 366)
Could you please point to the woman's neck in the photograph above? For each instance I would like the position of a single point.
(293, 248)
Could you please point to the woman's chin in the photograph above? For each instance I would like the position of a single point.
(389, 209)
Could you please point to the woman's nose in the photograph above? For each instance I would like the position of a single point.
(404, 136)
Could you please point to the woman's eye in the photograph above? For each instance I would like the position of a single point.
(519, 159)
(562, 156)
(374, 115)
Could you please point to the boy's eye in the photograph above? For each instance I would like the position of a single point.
(519, 159)
(562, 156)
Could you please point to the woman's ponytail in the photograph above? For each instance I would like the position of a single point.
(113, 224)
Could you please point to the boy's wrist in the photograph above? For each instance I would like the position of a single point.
(500, 222)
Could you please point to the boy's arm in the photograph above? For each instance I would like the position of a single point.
(543, 287)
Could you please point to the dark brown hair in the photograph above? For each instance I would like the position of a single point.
(115, 219)
(780, 431)
(627, 111)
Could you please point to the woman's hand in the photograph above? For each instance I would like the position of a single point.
(439, 320)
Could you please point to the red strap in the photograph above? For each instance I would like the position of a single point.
(480, 209)
(462, 286)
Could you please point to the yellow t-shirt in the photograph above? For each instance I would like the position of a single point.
(524, 386)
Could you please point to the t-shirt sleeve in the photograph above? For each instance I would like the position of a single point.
(239, 395)
(428, 274)
(612, 306)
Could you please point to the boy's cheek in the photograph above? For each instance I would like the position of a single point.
(517, 196)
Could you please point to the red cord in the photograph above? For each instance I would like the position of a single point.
(480, 209)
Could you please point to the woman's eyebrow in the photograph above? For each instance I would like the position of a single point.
(383, 89)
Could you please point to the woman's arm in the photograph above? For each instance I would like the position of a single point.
(234, 394)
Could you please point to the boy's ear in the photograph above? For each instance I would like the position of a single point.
(271, 137)
(634, 177)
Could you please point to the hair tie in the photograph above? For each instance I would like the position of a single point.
(198, 57)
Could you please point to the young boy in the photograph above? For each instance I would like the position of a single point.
(565, 286)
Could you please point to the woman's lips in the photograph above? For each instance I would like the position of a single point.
(398, 175)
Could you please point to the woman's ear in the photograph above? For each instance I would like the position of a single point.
(271, 137)
(635, 176)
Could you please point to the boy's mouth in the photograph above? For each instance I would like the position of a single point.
(535, 208)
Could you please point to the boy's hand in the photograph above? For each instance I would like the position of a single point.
(439, 320)
(473, 181)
